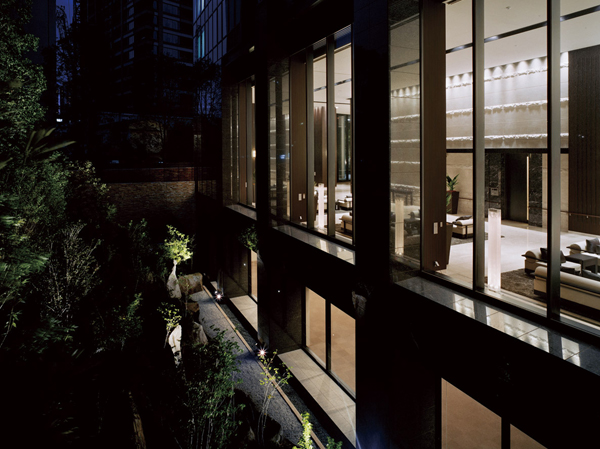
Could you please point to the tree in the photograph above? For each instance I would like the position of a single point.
(206, 76)
(21, 82)
(209, 400)
(306, 440)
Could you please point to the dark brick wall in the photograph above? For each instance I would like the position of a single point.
(162, 196)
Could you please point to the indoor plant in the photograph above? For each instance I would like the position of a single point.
(451, 194)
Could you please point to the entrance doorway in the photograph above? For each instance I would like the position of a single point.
(517, 187)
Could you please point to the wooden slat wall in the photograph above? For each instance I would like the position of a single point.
(584, 140)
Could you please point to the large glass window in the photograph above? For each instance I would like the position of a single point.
(254, 275)
(580, 159)
(311, 137)
(405, 97)
(342, 80)
(316, 339)
(466, 424)
(519, 189)
(331, 338)
(343, 347)
(279, 140)
(319, 82)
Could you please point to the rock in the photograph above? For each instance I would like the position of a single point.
(198, 335)
(277, 439)
(190, 284)
(172, 284)
(192, 307)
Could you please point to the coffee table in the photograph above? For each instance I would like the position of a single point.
(585, 261)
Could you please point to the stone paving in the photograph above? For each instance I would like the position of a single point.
(214, 318)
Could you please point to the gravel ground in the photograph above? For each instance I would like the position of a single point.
(251, 371)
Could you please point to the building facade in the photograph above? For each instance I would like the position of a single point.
(410, 321)
(138, 44)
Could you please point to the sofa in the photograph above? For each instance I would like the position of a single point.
(534, 259)
(582, 248)
(462, 226)
(576, 289)
(347, 223)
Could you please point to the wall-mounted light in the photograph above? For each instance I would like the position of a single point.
(253, 153)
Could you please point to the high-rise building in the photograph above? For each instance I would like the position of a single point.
(216, 28)
(43, 26)
(410, 321)
(125, 42)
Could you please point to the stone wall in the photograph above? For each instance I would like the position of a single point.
(161, 195)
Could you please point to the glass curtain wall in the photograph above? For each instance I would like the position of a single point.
(316, 337)
(246, 143)
(279, 140)
(405, 96)
(343, 347)
(253, 146)
(319, 74)
(459, 141)
(331, 338)
(343, 116)
(314, 86)
(467, 424)
(580, 160)
(231, 177)
(518, 181)
(254, 275)
(516, 144)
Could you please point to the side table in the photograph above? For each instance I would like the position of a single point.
(585, 261)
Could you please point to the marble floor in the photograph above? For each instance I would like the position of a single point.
(247, 307)
(517, 238)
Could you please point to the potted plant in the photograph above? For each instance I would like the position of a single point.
(451, 194)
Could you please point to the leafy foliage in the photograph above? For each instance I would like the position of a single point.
(39, 145)
(171, 315)
(212, 421)
(21, 81)
(178, 245)
(451, 182)
(88, 197)
(306, 440)
(249, 238)
(119, 325)
(71, 273)
(273, 378)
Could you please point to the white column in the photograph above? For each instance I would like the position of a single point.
(321, 206)
(399, 234)
(494, 256)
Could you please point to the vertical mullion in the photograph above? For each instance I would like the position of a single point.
(478, 145)
(328, 336)
(242, 145)
(310, 139)
(249, 132)
(331, 137)
(553, 42)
